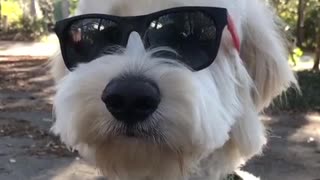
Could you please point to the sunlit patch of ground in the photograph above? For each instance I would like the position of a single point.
(309, 132)
(304, 63)
(51, 38)
(292, 149)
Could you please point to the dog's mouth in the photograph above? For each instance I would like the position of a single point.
(131, 133)
(148, 134)
(137, 133)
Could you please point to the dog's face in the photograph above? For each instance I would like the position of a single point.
(137, 115)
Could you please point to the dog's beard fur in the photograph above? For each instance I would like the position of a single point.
(206, 119)
(143, 161)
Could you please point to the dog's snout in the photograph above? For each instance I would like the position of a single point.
(131, 100)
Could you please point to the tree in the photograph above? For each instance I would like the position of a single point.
(32, 8)
(300, 22)
(65, 8)
(317, 53)
(47, 9)
(0, 16)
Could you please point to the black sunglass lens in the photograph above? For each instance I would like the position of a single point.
(87, 39)
(191, 34)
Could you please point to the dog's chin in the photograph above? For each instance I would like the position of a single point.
(137, 152)
(136, 155)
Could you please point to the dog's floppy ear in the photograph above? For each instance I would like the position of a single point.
(58, 68)
(264, 52)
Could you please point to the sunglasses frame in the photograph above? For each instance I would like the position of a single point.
(141, 23)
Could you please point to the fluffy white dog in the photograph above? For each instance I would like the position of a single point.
(139, 112)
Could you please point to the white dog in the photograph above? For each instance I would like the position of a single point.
(143, 109)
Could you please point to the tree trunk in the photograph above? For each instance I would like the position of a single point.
(317, 54)
(0, 12)
(0, 16)
(33, 9)
(300, 22)
(65, 8)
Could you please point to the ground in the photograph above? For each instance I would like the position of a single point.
(29, 151)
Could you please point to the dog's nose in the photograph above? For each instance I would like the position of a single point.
(131, 100)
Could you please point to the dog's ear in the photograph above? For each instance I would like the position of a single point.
(57, 66)
(264, 52)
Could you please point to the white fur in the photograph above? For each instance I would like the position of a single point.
(207, 120)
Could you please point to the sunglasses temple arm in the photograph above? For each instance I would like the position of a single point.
(232, 30)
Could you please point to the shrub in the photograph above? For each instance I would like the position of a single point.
(308, 100)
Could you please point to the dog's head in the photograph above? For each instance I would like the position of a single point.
(138, 110)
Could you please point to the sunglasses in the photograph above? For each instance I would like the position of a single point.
(194, 33)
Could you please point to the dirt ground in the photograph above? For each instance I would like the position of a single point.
(29, 151)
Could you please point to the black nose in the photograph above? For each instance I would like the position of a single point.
(131, 100)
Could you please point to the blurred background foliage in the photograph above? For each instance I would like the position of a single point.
(30, 20)
(301, 18)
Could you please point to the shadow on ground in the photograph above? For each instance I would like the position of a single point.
(27, 149)
(291, 152)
